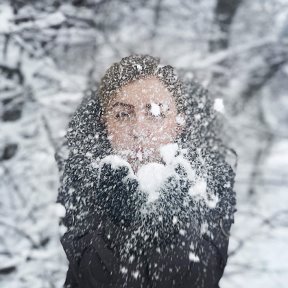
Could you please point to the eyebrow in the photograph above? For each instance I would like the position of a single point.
(130, 105)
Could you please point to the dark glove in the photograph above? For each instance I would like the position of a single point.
(119, 197)
(174, 207)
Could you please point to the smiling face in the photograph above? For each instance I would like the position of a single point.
(141, 117)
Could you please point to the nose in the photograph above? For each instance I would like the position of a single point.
(140, 129)
(139, 133)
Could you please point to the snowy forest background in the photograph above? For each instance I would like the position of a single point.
(51, 51)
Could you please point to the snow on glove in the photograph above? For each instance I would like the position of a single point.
(173, 209)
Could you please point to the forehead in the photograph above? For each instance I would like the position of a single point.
(143, 91)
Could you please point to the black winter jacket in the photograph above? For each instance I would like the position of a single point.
(91, 240)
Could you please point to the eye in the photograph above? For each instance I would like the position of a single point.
(122, 115)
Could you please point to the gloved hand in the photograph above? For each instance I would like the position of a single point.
(173, 209)
(118, 195)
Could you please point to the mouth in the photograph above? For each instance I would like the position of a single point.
(141, 154)
(137, 155)
(139, 149)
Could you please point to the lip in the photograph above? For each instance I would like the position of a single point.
(139, 149)
(135, 155)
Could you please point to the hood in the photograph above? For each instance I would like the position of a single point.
(87, 143)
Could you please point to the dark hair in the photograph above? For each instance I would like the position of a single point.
(203, 125)
(134, 67)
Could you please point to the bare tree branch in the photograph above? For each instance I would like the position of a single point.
(225, 12)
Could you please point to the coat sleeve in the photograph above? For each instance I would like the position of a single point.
(184, 266)
(212, 251)
(83, 239)
(213, 248)
(74, 246)
(91, 262)
(71, 281)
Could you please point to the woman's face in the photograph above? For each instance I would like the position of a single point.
(139, 119)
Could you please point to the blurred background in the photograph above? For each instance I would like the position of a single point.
(52, 51)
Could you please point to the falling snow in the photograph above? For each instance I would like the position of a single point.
(174, 196)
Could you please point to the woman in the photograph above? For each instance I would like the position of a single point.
(148, 194)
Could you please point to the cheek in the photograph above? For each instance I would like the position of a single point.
(117, 134)
(164, 131)
(170, 124)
